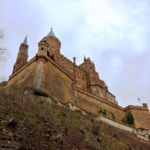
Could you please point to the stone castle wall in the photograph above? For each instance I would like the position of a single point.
(57, 83)
(64, 81)
(60, 85)
(24, 77)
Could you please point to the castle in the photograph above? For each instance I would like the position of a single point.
(51, 72)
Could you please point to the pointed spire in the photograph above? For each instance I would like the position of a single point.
(51, 33)
(25, 41)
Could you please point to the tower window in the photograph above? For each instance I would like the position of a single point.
(42, 48)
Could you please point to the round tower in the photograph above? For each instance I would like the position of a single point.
(53, 44)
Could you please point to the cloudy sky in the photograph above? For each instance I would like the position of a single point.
(115, 34)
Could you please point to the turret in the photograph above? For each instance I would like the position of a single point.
(22, 56)
(43, 48)
(53, 44)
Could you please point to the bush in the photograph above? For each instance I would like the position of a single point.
(96, 129)
(128, 119)
(40, 93)
(100, 110)
(104, 112)
(113, 116)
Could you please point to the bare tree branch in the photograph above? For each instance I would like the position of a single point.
(2, 35)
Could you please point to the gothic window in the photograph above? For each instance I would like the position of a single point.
(42, 48)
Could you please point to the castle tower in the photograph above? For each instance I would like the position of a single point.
(94, 84)
(22, 55)
(52, 45)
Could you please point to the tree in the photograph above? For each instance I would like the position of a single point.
(2, 35)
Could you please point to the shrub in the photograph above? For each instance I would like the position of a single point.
(128, 119)
(96, 129)
(104, 112)
(40, 93)
(100, 110)
(113, 116)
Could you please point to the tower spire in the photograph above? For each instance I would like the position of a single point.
(22, 55)
(25, 41)
(51, 33)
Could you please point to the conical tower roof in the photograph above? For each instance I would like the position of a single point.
(25, 41)
(51, 33)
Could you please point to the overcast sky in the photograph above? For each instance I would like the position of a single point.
(115, 34)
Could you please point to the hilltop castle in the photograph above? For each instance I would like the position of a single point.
(51, 72)
(85, 77)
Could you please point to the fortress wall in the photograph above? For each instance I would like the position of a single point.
(94, 104)
(141, 116)
(56, 83)
(24, 77)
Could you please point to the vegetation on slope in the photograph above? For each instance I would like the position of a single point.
(128, 119)
(26, 123)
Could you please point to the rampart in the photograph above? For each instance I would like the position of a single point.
(60, 85)
(51, 72)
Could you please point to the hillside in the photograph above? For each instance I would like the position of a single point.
(31, 123)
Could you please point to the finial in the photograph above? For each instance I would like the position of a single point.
(51, 33)
(25, 41)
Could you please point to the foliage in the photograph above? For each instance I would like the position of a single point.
(113, 116)
(40, 93)
(128, 119)
(2, 35)
(104, 112)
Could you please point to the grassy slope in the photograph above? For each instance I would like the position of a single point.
(27, 123)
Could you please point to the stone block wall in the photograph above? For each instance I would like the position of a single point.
(57, 83)
(141, 116)
(60, 85)
(24, 77)
(97, 106)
